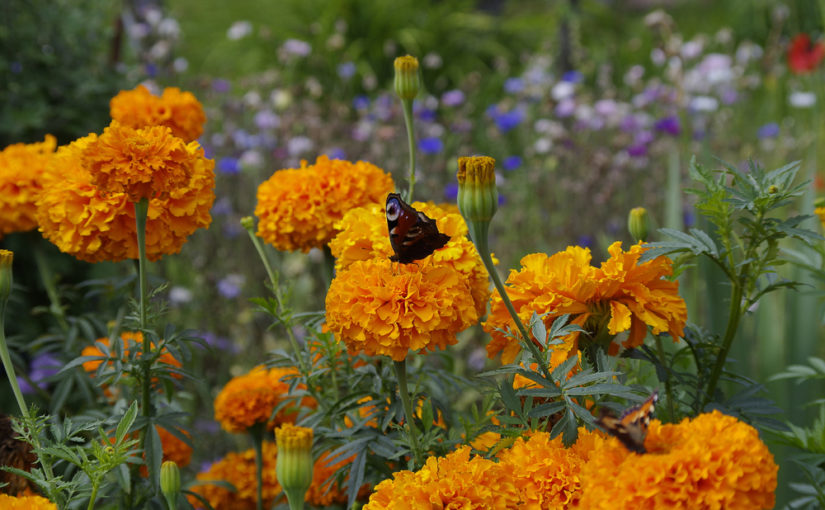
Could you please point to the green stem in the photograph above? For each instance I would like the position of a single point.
(408, 122)
(668, 389)
(734, 314)
(412, 431)
(48, 282)
(479, 235)
(257, 433)
(7, 364)
(93, 497)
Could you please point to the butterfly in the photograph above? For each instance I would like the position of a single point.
(631, 428)
(413, 235)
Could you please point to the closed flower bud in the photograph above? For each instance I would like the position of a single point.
(170, 482)
(407, 81)
(248, 222)
(294, 465)
(477, 192)
(6, 258)
(638, 223)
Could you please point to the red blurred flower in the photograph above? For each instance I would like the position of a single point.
(803, 57)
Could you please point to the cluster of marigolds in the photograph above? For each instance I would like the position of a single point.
(81, 197)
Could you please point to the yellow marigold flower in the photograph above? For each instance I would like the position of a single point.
(131, 340)
(382, 308)
(298, 208)
(627, 295)
(148, 162)
(25, 503)
(453, 481)
(363, 236)
(21, 170)
(94, 226)
(712, 461)
(239, 470)
(545, 472)
(251, 398)
(179, 111)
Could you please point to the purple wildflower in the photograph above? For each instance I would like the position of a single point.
(511, 162)
(513, 85)
(669, 125)
(451, 191)
(430, 145)
(452, 98)
(770, 130)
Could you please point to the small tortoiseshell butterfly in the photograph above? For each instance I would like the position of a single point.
(413, 235)
(631, 428)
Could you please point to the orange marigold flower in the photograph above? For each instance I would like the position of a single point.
(326, 490)
(131, 340)
(251, 398)
(94, 226)
(622, 293)
(178, 110)
(239, 470)
(545, 472)
(148, 162)
(712, 461)
(363, 235)
(174, 449)
(298, 208)
(820, 212)
(21, 170)
(453, 481)
(25, 503)
(382, 308)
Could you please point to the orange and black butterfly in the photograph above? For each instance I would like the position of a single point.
(631, 427)
(413, 235)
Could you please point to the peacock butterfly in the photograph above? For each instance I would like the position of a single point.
(631, 428)
(413, 235)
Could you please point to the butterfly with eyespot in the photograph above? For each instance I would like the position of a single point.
(631, 427)
(413, 235)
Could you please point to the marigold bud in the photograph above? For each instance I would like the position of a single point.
(407, 81)
(170, 482)
(248, 222)
(6, 258)
(294, 465)
(477, 192)
(638, 223)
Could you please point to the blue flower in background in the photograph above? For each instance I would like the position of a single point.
(431, 145)
(361, 102)
(220, 85)
(16, 67)
(513, 85)
(425, 114)
(151, 70)
(452, 98)
(230, 285)
(585, 241)
(669, 125)
(501, 199)
(505, 121)
(511, 162)
(42, 367)
(770, 130)
(637, 150)
(688, 217)
(222, 207)
(346, 70)
(229, 166)
(451, 191)
(572, 77)
(337, 153)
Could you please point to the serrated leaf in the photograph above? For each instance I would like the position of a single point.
(126, 422)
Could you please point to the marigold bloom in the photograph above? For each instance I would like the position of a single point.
(713, 461)
(174, 449)
(21, 171)
(131, 340)
(803, 57)
(453, 481)
(179, 111)
(380, 309)
(363, 236)
(820, 212)
(25, 503)
(239, 470)
(298, 208)
(148, 162)
(94, 226)
(628, 296)
(251, 398)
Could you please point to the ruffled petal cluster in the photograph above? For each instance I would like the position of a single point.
(251, 398)
(148, 162)
(363, 235)
(21, 171)
(381, 308)
(624, 294)
(713, 461)
(178, 110)
(298, 208)
(94, 226)
(456, 480)
(25, 503)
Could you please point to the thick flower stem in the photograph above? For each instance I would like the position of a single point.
(734, 315)
(257, 433)
(668, 387)
(408, 122)
(479, 235)
(412, 432)
(48, 282)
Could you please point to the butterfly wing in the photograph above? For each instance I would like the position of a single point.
(631, 427)
(413, 235)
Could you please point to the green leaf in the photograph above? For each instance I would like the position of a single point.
(126, 422)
